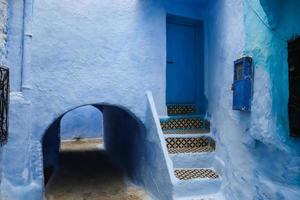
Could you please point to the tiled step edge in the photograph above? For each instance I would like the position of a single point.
(190, 144)
(181, 109)
(195, 173)
(185, 124)
(186, 131)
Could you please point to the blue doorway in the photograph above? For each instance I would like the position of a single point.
(185, 82)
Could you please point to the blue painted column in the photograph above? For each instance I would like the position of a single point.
(28, 9)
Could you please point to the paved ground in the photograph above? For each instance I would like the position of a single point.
(82, 145)
(86, 173)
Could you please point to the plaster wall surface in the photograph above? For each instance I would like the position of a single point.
(66, 54)
(225, 43)
(101, 63)
(277, 22)
(261, 160)
(15, 32)
(3, 29)
(83, 122)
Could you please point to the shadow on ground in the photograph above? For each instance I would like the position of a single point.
(90, 175)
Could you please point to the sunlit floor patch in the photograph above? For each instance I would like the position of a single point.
(82, 144)
(90, 175)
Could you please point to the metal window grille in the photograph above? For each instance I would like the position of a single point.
(4, 101)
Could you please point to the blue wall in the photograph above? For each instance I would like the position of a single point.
(3, 30)
(67, 54)
(224, 44)
(278, 22)
(83, 122)
(74, 53)
(261, 160)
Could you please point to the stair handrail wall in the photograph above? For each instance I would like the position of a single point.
(162, 175)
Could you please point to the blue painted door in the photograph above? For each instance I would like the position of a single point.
(181, 64)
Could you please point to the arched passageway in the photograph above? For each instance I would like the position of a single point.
(82, 122)
(92, 173)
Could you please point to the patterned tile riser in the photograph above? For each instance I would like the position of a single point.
(181, 109)
(185, 123)
(190, 145)
(4, 102)
(186, 174)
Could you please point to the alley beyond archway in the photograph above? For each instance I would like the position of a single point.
(87, 173)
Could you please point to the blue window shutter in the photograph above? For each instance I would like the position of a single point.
(242, 84)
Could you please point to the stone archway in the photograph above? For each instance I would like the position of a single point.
(122, 133)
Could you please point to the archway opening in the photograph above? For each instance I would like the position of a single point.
(80, 163)
(83, 122)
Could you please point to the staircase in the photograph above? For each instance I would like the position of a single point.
(191, 149)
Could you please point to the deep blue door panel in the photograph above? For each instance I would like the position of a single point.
(181, 63)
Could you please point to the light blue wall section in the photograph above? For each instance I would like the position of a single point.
(83, 122)
(262, 161)
(277, 22)
(76, 53)
(3, 29)
(110, 52)
(224, 33)
(15, 43)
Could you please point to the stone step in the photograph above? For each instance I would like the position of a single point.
(177, 145)
(217, 196)
(181, 109)
(184, 125)
(195, 160)
(196, 182)
(186, 135)
(195, 173)
(186, 131)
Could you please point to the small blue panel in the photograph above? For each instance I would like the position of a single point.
(243, 84)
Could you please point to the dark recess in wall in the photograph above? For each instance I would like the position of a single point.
(294, 86)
